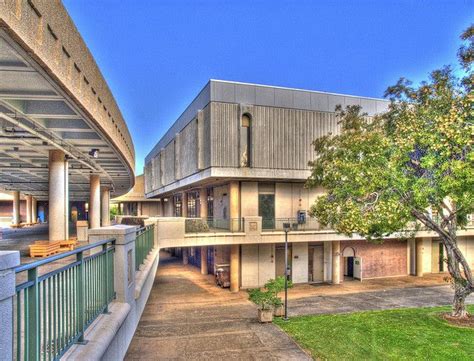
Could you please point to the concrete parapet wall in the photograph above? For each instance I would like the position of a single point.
(45, 30)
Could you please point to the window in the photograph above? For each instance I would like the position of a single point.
(245, 140)
(210, 202)
(178, 209)
(193, 209)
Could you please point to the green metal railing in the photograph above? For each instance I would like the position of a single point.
(143, 244)
(54, 309)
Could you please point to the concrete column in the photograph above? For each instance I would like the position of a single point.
(419, 257)
(58, 196)
(94, 201)
(336, 262)
(124, 258)
(234, 205)
(184, 204)
(185, 256)
(204, 270)
(16, 208)
(28, 209)
(8, 261)
(203, 203)
(234, 267)
(34, 209)
(105, 206)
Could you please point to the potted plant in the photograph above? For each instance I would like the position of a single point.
(264, 300)
(275, 286)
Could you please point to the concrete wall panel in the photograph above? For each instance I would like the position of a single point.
(266, 263)
(249, 266)
(249, 203)
(299, 262)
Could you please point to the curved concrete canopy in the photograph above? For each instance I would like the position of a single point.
(40, 112)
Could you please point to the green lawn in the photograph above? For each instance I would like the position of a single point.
(403, 334)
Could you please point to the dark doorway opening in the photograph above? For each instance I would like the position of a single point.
(350, 267)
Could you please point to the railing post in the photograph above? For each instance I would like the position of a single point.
(80, 302)
(124, 258)
(33, 335)
(106, 278)
(8, 261)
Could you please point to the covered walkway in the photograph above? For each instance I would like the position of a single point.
(188, 318)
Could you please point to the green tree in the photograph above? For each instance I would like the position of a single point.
(412, 166)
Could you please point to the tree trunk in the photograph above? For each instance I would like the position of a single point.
(459, 306)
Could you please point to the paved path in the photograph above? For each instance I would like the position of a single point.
(188, 318)
(374, 300)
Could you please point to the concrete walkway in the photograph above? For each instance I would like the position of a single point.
(188, 318)
(428, 296)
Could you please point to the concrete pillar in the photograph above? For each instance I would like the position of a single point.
(8, 261)
(234, 205)
(203, 203)
(105, 206)
(124, 258)
(204, 270)
(94, 201)
(336, 262)
(34, 209)
(234, 267)
(419, 257)
(185, 256)
(58, 196)
(184, 204)
(16, 208)
(28, 209)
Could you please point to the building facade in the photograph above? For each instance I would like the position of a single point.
(134, 202)
(230, 173)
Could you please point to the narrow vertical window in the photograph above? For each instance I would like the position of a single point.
(245, 141)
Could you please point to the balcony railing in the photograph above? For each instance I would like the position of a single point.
(199, 225)
(53, 310)
(143, 244)
(276, 224)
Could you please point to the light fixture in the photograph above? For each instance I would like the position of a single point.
(94, 153)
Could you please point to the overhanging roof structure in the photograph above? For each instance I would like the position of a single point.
(53, 96)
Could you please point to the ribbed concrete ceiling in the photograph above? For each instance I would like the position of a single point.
(35, 117)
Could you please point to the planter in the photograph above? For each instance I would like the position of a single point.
(265, 316)
(279, 311)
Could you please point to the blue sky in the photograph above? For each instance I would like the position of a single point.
(157, 54)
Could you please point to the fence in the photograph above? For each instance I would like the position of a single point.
(53, 310)
(277, 224)
(143, 244)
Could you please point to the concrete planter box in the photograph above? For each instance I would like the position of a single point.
(265, 316)
(279, 311)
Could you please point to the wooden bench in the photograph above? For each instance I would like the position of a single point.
(44, 248)
(68, 245)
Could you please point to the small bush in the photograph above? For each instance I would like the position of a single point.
(196, 225)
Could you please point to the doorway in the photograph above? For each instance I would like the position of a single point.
(316, 264)
(280, 260)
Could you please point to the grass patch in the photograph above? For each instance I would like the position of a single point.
(401, 334)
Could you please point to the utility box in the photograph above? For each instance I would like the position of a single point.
(301, 217)
(82, 228)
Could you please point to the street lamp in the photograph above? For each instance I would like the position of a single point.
(286, 227)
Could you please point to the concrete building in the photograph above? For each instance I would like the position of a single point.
(63, 138)
(231, 171)
(134, 203)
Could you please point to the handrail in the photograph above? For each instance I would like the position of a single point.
(54, 309)
(42, 262)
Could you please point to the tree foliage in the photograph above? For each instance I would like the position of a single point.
(412, 165)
